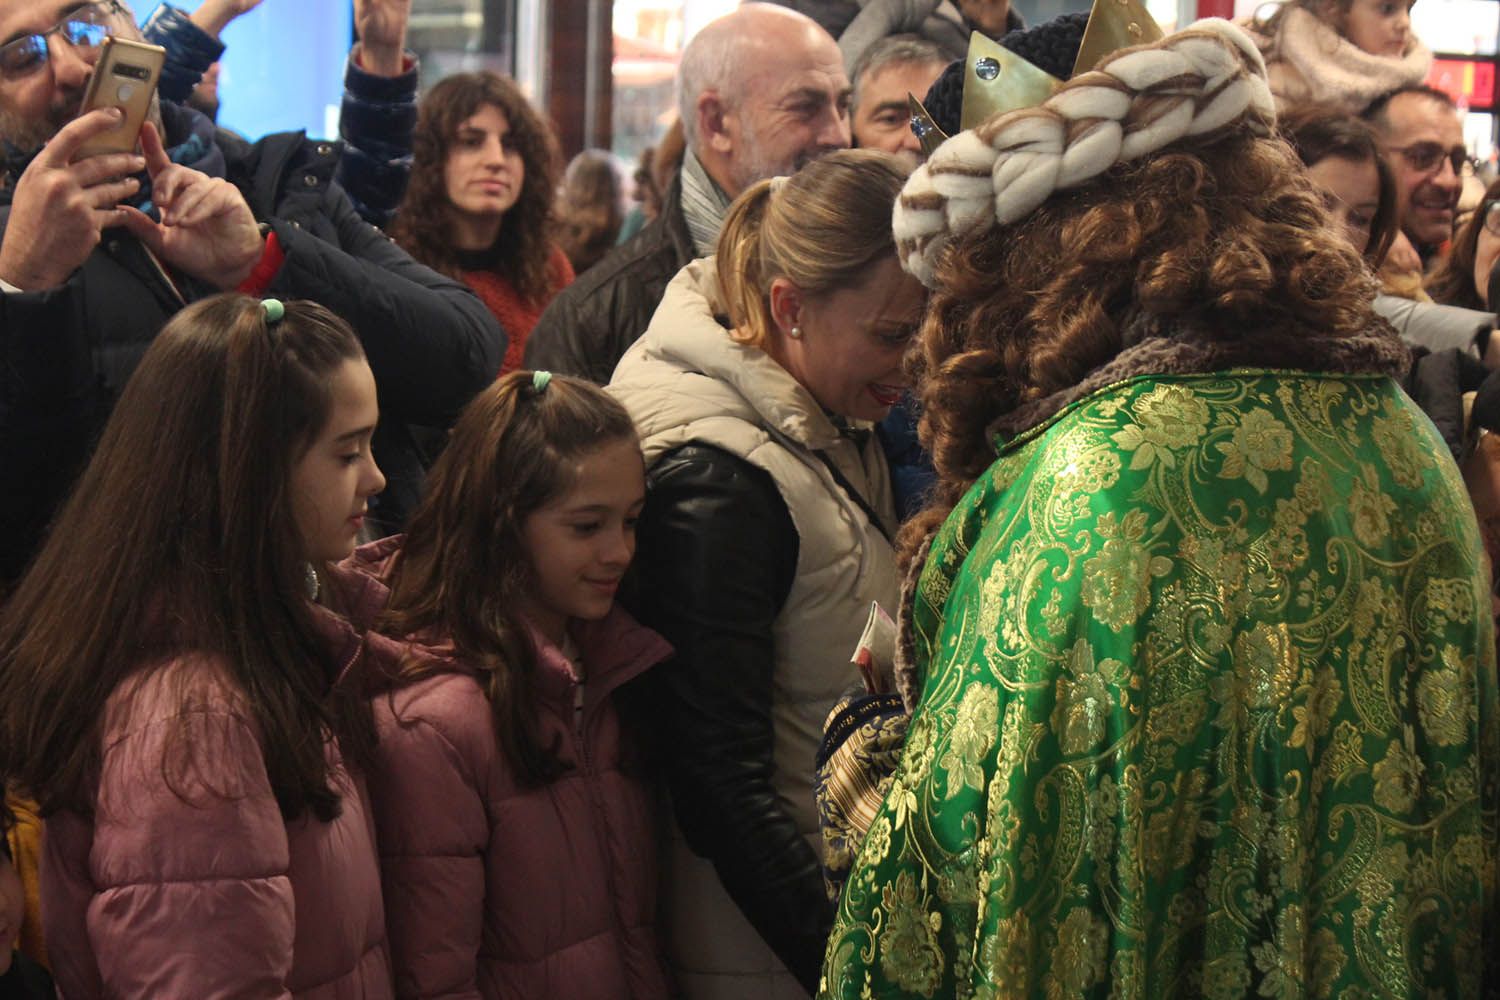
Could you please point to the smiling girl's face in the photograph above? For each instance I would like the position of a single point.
(578, 545)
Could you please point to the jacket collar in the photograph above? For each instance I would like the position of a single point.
(674, 223)
(613, 650)
(687, 334)
(1151, 350)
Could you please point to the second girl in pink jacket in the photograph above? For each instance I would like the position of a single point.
(516, 839)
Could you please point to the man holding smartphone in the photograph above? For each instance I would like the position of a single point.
(96, 253)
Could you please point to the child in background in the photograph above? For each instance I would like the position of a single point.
(1340, 52)
(173, 696)
(517, 842)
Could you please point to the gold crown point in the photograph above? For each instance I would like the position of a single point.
(997, 80)
(1114, 25)
(923, 127)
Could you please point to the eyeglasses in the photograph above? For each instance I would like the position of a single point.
(85, 28)
(1425, 157)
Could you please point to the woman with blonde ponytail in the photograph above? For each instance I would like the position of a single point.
(765, 539)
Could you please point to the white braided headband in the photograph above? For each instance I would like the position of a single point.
(1188, 84)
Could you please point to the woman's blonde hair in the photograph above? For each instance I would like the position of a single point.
(821, 229)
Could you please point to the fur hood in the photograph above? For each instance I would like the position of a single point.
(1308, 61)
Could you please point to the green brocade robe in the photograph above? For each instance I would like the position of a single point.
(1208, 709)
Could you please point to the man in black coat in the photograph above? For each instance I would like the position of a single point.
(87, 279)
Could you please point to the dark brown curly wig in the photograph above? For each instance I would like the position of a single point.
(1219, 240)
(422, 223)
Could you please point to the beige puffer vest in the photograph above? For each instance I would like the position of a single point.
(686, 380)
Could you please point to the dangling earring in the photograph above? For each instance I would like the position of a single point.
(795, 333)
(311, 581)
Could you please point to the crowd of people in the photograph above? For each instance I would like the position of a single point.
(422, 577)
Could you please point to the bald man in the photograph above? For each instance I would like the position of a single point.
(761, 91)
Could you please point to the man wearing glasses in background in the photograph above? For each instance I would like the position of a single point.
(1423, 141)
(87, 278)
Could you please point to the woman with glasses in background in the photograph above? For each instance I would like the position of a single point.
(1464, 278)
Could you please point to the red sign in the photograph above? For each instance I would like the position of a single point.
(1470, 82)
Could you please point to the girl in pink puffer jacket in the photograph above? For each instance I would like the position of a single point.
(173, 695)
(517, 843)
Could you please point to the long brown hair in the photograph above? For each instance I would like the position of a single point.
(1317, 132)
(423, 227)
(463, 570)
(823, 229)
(1223, 239)
(1452, 284)
(179, 541)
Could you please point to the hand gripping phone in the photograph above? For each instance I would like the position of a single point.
(124, 77)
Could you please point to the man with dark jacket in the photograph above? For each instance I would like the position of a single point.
(761, 91)
(86, 282)
(379, 109)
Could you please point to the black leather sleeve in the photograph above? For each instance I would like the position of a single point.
(717, 556)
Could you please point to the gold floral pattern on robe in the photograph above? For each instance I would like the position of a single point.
(1209, 710)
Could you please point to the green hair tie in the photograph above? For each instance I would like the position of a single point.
(273, 309)
(539, 380)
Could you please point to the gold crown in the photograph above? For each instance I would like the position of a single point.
(997, 80)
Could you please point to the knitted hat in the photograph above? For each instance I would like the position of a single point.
(1052, 46)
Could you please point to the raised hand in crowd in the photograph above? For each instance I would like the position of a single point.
(206, 230)
(381, 27)
(62, 202)
(214, 15)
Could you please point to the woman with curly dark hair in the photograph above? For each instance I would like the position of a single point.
(479, 203)
(1204, 690)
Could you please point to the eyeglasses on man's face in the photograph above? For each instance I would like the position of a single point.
(84, 28)
(1426, 157)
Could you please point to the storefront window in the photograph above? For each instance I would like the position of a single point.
(451, 36)
(649, 36)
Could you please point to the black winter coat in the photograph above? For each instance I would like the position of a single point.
(717, 558)
(66, 352)
(591, 323)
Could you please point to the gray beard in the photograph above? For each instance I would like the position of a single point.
(27, 136)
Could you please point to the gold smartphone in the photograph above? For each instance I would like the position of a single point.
(124, 77)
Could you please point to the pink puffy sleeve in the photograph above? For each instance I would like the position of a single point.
(179, 886)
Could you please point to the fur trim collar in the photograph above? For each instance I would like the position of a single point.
(1333, 69)
(1150, 351)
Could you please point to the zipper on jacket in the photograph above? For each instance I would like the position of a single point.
(601, 816)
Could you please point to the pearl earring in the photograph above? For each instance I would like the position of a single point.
(796, 332)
